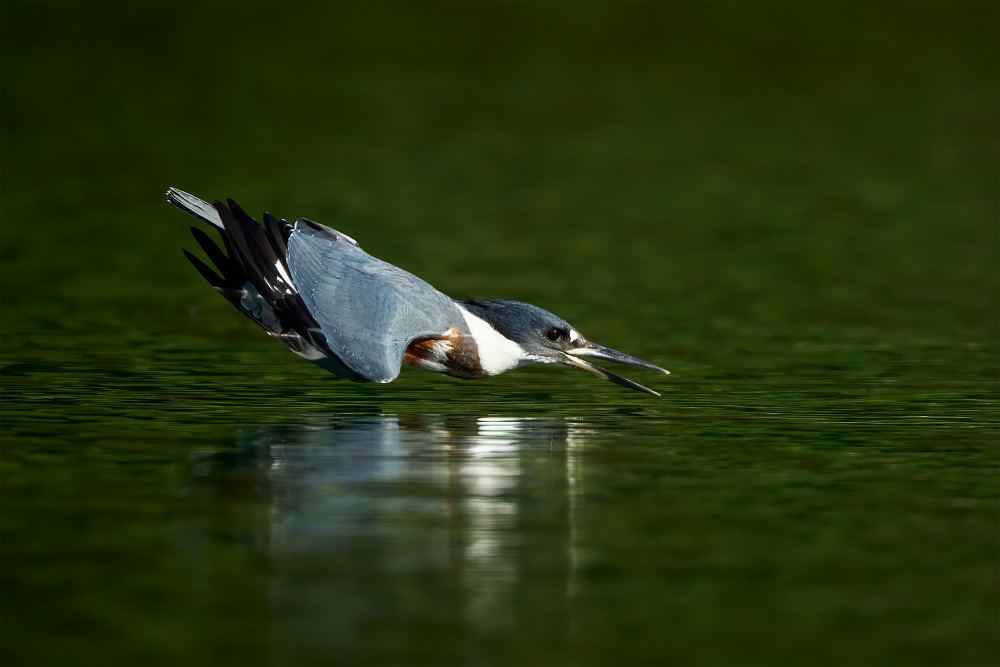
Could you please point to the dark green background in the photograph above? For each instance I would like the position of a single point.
(793, 207)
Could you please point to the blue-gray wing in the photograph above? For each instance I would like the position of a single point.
(368, 310)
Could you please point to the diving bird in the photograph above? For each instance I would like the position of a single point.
(315, 291)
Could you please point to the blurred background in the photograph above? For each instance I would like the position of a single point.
(794, 208)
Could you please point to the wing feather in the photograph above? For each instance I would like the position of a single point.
(368, 310)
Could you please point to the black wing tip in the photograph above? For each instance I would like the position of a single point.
(253, 252)
(207, 273)
(230, 270)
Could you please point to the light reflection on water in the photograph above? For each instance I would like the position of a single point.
(389, 520)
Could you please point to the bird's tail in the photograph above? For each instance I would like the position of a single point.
(252, 274)
(193, 206)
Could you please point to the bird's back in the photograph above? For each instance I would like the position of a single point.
(369, 310)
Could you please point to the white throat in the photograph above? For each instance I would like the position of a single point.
(497, 353)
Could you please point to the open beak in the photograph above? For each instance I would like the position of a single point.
(572, 358)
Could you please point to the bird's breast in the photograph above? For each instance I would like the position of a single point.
(451, 353)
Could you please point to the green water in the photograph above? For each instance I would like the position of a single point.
(792, 208)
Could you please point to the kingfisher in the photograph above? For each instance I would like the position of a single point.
(315, 291)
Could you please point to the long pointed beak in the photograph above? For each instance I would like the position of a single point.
(572, 358)
(601, 352)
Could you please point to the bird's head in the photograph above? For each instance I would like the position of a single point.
(548, 339)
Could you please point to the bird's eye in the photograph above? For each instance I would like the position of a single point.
(555, 333)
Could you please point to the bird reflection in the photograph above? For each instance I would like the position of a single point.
(381, 523)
